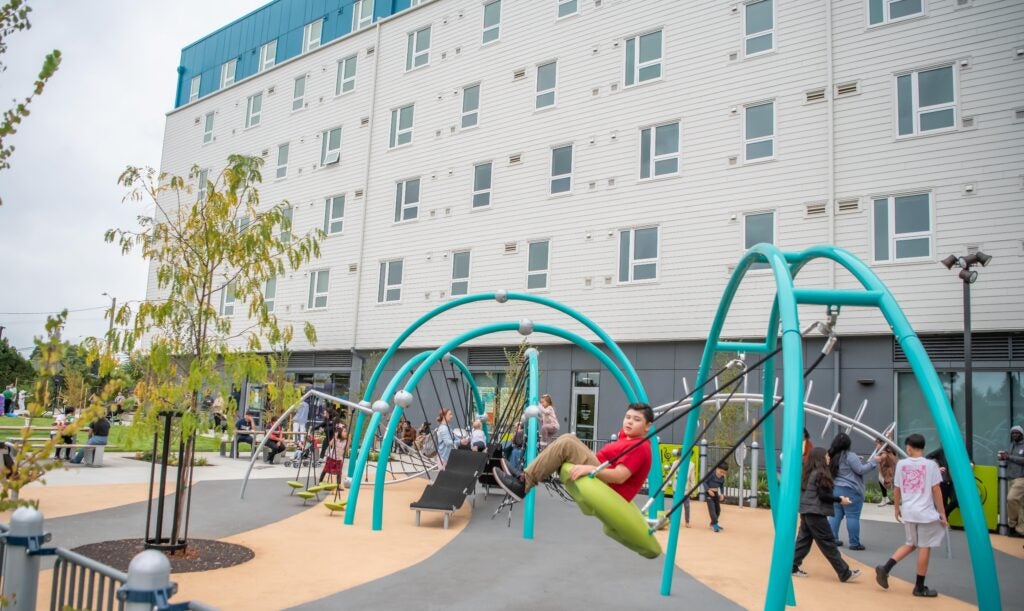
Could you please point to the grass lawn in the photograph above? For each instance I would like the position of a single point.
(123, 437)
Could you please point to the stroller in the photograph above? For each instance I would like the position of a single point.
(301, 456)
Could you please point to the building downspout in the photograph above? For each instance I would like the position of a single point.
(366, 198)
(831, 185)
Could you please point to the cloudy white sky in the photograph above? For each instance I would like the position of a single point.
(103, 110)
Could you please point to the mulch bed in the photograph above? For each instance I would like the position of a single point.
(201, 555)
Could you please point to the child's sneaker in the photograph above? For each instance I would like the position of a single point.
(854, 574)
(882, 576)
(716, 527)
(926, 592)
(510, 484)
(799, 573)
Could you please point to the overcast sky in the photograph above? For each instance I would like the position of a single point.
(103, 110)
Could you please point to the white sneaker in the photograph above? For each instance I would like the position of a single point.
(799, 573)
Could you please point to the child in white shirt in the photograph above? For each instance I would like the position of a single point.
(476, 438)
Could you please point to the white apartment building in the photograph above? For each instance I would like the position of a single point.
(619, 156)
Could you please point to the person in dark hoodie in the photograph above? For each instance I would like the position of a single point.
(816, 504)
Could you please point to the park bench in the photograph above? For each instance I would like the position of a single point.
(93, 454)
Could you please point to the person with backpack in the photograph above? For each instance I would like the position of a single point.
(816, 505)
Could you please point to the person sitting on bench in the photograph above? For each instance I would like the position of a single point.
(275, 444)
(245, 423)
(100, 430)
(625, 475)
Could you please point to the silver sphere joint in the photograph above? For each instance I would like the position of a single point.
(381, 407)
(403, 398)
(447, 358)
(532, 411)
(525, 326)
(501, 296)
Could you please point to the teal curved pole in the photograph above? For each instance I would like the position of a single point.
(385, 450)
(533, 401)
(477, 397)
(354, 440)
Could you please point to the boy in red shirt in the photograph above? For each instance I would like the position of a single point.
(625, 475)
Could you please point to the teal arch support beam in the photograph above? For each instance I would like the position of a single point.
(502, 296)
(533, 415)
(385, 450)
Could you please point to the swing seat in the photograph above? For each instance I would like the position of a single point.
(329, 487)
(296, 485)
(622, 520)
(305, 494)
(339, 506)
(316, 488)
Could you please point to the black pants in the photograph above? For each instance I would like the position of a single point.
(714, 508)
(815, 527)
(275, 448)
(949, 501)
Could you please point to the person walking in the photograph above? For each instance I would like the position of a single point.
(848, 474)
(1014, 458)
(816, 504)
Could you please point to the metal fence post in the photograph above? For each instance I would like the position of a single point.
(703, 465)
(149, 582)
(755, 451)
(1003, 527)
(21, 560)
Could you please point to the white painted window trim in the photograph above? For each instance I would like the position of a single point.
(227, 72)
(252, 114)
(268, 59)
(403, 186)
(455, 279)
(486, 28)
(633, 263)
(916, 109)
(637, 66)
(891, 235)
(746, 141)
(227, 299)
(281, 170)
(775, 232)
(201, 180)
(286, 235)
(886, 20)
(770, 30)
(489, 190)
(193, 87)
(309, 42)
(208, 121)
(330, 155)
(396, 126)
(553, 90)
(546, 272)
(678, 155)
(412, 55)
(359, 19)
(554, 177)
(383, 286)
(341, 80)
(268, 299)
(558, 9)
(329, 219)
(314, 276)
(475, 112)
(299, 99)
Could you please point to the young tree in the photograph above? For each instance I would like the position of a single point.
(14, 368)
(210, 253)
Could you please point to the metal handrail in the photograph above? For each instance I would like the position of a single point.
(83, 583)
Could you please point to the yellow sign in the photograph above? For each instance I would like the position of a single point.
(668, 457)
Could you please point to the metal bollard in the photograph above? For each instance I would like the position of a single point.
(1003, 527)
(755, 451)
(23, 546)
(149, 583)
(703, 466)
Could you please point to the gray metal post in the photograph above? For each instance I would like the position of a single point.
(755, 451)
(703, 465)
(1003, 527)
(21, 568)
(149, 582)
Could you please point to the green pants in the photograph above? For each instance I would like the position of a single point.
(567, 448)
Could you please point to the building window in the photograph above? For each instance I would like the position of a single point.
(492, 21)
(418, 49)
(319, 283)
(482, 184)
(568, 7)
(407, 200)
(643, 58)
(346, 80)
(401, 125)
(926, 101)
(759, 131)
(758, 228)
(208, 128)
(460, 273)
(561, 169)
(193, 88)
(253, 109)
(758, 27)
(311, 35)
(389, 287)
(268, 55)
(227, 300)
(537, 266)
(638, 254)
(330, 146)
(659, 150)
(299, 93)
(270, 293)
(286, 226)
(884, 11)
(282, 160)
(470, 106)
(201, 184)
(362, 14)
(334, 214)
(547, 77)
(903, 227)
(227, 73)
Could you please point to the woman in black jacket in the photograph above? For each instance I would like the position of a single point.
(816, 502)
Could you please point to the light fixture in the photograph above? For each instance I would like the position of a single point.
(968, 275)
(982, 258)
(949, 261)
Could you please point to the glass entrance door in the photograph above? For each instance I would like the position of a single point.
(583, 414)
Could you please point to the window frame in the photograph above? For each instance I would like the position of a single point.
(208, 122)
(632, 263)
(553, 90)
(637, 67)
(772, 137)
(314, 294)
(916, 109)
(654, 158)
(886, 19)
(278, 173)
(268, 298)
(340, 80)
(359, 21)
(892, 237)
(554, 177)
(308, 44)
(412, 56)
(546, 272)
(326, 151)
(301, 97)
(747, 37)
(558, 8)
(193, 88)
(228, 299)
(475, 112)
(396, 126)
(253, 118)
(383, 281)
(267, 59)
(224, 80)
(757, 266)
(201, 180)
(329, 219)
(402, 204)
(489, 191)
(469, 273)
(285, 235)
(493, 27)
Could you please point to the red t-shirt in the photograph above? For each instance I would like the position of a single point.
(638, 461)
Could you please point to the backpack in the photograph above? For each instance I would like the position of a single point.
(427, 446)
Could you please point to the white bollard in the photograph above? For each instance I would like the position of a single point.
(149, 582)
(21, 568)
(755, 450)
(703, 466)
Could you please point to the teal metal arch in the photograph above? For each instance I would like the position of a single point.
(655, 476)
(784, 501)
(533, 401)
(421, 370)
